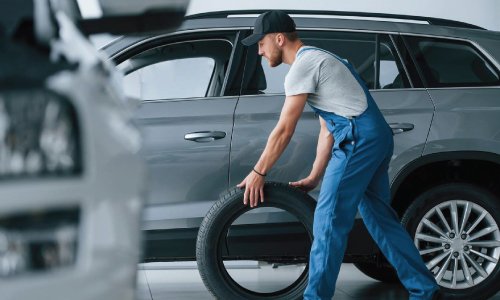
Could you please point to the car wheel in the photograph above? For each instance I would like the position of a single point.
(382, 272)
(455, 229)
(210, 243)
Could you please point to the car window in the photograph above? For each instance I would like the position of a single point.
(179, 78)
(391, 74)
(356, 48)
(388, 68)
(450, 63)
(188, 69)
(359, 49)
(275, 77)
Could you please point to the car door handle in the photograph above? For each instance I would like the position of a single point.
(401, 127)
(205, 136)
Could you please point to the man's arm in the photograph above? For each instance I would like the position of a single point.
(276, 145)
(323, 154)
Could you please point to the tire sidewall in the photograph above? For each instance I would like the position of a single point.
(457, 191)
(222, 214)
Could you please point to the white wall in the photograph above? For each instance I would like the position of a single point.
(485, 13)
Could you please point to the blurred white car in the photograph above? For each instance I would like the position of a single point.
(71, 182)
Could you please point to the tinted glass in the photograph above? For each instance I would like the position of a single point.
(391, 71)
(259, 77)
(188, 69)
(447, 63)
(181, 78)
(359, 49)
(275, 77)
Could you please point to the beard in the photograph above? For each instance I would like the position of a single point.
(276, 57)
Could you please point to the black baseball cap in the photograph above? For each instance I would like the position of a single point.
(269, 22)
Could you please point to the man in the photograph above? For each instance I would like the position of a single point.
(354, 149)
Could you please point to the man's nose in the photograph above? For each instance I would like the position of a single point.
(260, 51)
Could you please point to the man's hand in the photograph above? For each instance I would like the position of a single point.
(254, 189)
(276, 144)
(307, 184)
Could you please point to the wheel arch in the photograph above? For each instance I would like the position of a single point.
(476, 167)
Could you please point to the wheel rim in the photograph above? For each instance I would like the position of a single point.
(460, 243)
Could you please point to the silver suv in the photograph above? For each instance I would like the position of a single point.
(208, 104)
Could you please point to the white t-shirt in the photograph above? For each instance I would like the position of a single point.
(330, 84)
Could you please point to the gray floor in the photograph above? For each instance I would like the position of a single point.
(181, 281)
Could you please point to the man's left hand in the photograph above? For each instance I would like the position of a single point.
(254, 189)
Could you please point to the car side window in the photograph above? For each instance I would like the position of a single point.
(188, 69)
(451, 63)
(275, 77)
(356, 48)
(359, 49)
(391, 74)
(259, 77)
(178, 78)
(378, 68)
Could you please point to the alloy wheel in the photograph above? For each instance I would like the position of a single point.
(460, 243)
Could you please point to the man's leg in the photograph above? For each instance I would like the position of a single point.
(344, 183)
(332, 222)
(383, 224)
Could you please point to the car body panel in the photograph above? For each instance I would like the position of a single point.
(466, 119)
(406, 106)
(183, 171)
(255, 118)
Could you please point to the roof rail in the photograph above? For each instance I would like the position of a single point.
(430, 20)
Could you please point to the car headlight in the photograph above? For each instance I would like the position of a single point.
(39, 134)
(38, 242)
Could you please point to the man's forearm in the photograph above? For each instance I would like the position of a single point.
(323, 154)
(276, 144)
(282, 133)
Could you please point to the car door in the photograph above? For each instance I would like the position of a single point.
(257, 113)
(405, 104)
(463, 83)
(187, 101)
(403, 100)
(407, 109)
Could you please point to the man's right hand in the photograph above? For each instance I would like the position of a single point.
(307, 184)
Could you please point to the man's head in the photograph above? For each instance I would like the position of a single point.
(273, 30)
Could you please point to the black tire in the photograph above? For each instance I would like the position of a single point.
(383, 272)
(215, 224)
(458, 191)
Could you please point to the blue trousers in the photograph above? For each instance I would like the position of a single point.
(357, 179)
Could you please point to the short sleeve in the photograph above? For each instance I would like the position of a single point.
(302, 78)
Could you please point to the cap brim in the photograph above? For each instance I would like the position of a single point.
(254, 38)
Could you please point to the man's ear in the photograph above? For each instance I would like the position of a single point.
(280, 39)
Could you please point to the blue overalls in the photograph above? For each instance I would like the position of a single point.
(356, 178)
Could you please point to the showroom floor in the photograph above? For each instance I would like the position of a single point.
(181, 281)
